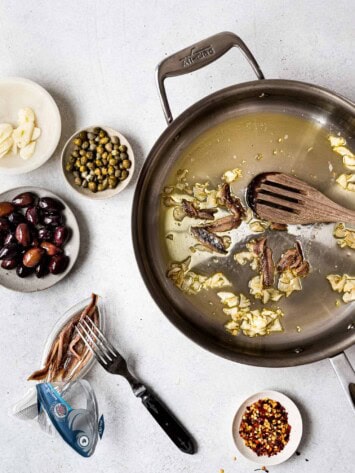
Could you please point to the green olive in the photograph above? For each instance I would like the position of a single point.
(126, 163)
(92, 186)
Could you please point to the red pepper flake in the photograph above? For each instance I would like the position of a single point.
(265, 428)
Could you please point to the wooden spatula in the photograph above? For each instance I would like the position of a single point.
(281, 198)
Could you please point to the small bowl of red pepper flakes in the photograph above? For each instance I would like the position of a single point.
(267, 428)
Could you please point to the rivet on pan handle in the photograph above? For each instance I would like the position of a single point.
(196, 56)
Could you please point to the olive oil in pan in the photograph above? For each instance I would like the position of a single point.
(258, 143)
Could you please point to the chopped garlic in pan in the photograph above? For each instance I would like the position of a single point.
(191, 282)
(345, 237)
(265, 295)
(347, 181)
(344, 284)
(288, 283)
(336, 141)
(251, 322)
(232, 175)
(259, 226)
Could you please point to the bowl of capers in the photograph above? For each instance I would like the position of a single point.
(98, 162)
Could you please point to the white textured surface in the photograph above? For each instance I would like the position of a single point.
(97, 58)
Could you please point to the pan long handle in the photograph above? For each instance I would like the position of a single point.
(196, 56)
(346, 375)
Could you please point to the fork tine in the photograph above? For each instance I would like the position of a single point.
(93, 347)
(103, 338)
(94, 335)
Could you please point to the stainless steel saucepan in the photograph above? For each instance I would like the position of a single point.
(263, 125)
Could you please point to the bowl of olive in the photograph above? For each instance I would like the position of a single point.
(98, 162)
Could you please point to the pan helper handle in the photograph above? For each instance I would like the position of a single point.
(197, 56)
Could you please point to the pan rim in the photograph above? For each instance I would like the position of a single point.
(148, 275)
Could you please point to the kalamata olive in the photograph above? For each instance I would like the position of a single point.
(6, 208)
(32, 215)
(53, 220)
(9, 263)
(48, 203)
(10, 238)
(45, 233)
(42, 267)
(24, 200)
(32, 257)
(50, 248)
(15, 218)
(61, 235)
(58, 264)
(4, 225)
(22, 271)
(23, 234)
(9, 251)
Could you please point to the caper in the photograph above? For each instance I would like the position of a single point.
(123, 155)
(84, 183)
(92, 146)
(91, 136)
(82, 152)
(104, 155)
(105, 162)
(85, 145)
(121, 166)
(72, 159)
(97, 130)
(78, 141)
(104, 171)
(104, 184)
(100, 187)
(83, 160)
(112, 182)
(104, 140)
(108, 147)
(98, 163)
(102, 133)
(115, 152)
(83, 135)
(123, 148)
(117, 173)
(92, 186)
(97, 171)
(113, 162)
(69, 167)
(124, 175)
(89, 154)
(111, 170)
(75, 154)
(115, 140)
(100, 149)
(90, 165)
(77, 181)
(116, 147)
(126, 163)
(77, 163)
(100, 178)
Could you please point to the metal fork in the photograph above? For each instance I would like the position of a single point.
(114, 363)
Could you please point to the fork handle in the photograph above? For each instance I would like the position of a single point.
(167, 421)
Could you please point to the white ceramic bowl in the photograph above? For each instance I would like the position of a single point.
(294, 419)
(106, 194)
(17, 93)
